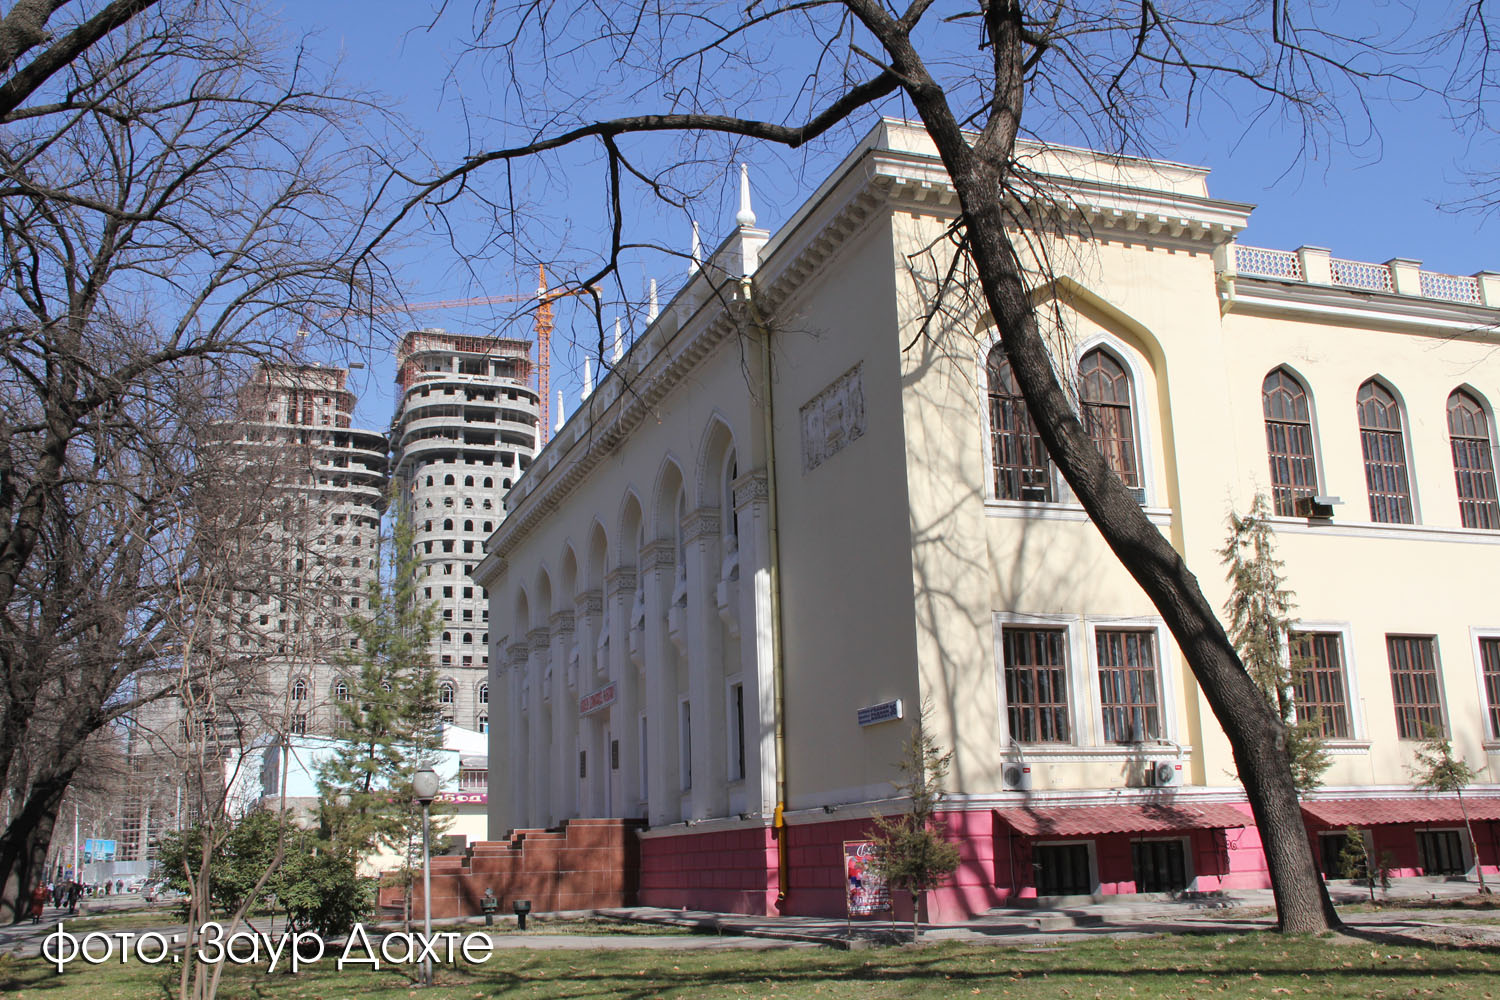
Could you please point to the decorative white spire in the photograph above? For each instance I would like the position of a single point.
(619, 351)
(652, 309)
(746, 215)
(697, 260)
(562, 416)
(588, 380)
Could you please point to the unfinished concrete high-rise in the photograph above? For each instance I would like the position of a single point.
(465, 428)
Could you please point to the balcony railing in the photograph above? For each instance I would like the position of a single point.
(1311, 265)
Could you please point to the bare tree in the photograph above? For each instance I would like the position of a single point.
(978, 78)
(177, 198)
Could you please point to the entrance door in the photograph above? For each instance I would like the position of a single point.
(1062, 870)
(1441, 852)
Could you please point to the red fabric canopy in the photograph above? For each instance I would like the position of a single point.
(1376, 812)
(1145, 817)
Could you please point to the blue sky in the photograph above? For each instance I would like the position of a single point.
(1377, 200)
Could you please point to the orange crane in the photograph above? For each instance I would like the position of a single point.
(543, 325)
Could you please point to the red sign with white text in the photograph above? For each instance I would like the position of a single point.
(598, 700)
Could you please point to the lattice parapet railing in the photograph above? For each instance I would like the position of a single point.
(1360, 274)
(1287, 265)
(1265, 263)
(1456, 287)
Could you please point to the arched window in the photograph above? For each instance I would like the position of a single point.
(429, 480)
(299, 690)
(469, 638)
(468, 480)
(1017, 457)
(468, 525)
(1384, 450)
(445, 693)
(448, 524)
(1289, 441)
(730, 515)
(341, 692)
(1473, 461)
(484, 694)
(1104, 391)
(448, 480)
(489, 483)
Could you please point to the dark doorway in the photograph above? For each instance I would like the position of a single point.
(1062, 870)
(1159, 865)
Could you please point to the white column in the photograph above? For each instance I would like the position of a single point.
(564, 794)
(588, 609)
(705, 655)
(619, 591)
(516, 677)
(538, 747)
(664, 792)
(751, 500)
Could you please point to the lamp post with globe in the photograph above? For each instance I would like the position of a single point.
(424, 788)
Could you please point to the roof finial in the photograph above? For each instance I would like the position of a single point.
(746, 215)
(588, 380)
(652, 309)
(562, 416)
(697, 251)
(619, 351)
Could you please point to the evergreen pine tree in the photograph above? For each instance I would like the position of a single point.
(389, 724)
(1260, 616)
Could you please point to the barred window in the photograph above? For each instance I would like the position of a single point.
(1318, 681)
(1414, 685)
(1036, 684)
(1129, 686)
(1021, 468)
(1104, 391)
(1473, 462)
(1289, 441)
(1380, 440)
(1489, 665)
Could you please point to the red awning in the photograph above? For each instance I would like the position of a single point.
(1145, 817)
(1377, 812)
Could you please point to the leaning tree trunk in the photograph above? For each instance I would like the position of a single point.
(979, 173)
(24, 844)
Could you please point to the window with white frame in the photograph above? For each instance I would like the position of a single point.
(1289, 440)
(1387, 479)
(1104, 392)
(1319, 681)
(1129, 684)
(1019, 464)
(1415, 688)
(1489, 671)
(1473, 461)
(1036, 683)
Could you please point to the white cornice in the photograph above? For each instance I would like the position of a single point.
(1356, 307)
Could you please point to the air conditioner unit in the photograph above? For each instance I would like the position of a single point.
(1164, 773)
(1138, 493)
(1017, 777)
(1315, 507)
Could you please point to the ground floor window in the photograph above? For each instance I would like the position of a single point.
(1062, 869)
(1159, 865)
(1331, 848)
(1440, 852)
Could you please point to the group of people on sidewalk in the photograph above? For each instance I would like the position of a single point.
(57, 893)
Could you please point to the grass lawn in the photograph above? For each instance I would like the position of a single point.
(1179, 967)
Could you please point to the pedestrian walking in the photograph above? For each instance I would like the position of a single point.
(38, 901)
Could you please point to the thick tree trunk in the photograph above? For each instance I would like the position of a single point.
(979, 173)
(24, 844)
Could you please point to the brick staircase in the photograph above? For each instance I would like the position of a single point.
(585, 864)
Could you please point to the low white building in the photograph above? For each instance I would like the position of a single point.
(728, 583)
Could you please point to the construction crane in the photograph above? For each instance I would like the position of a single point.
(543, 325)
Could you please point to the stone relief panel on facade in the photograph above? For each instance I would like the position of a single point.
(833, 418)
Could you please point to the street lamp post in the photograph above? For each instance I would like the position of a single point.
(424, 787)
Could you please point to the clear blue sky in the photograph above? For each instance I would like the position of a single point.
(1374, 202)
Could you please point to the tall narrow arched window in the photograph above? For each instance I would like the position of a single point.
(445, 693)
(484, 694)
(1384, 449)
(1289, 441)
(1473, 461)
(1104, 391)
(341, 692)
(1018, 460)
(299, 690)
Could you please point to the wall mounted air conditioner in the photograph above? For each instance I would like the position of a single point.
(1315, 507)
(1164, 773)
(1138, 493)
(1017, 777)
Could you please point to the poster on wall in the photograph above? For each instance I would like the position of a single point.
(865, 891)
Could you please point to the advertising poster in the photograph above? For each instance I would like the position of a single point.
(864, 891)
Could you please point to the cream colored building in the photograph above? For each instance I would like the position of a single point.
(875, 524)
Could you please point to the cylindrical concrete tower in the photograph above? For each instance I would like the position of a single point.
(464, 430)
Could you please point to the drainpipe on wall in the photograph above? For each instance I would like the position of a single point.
(778, 823)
